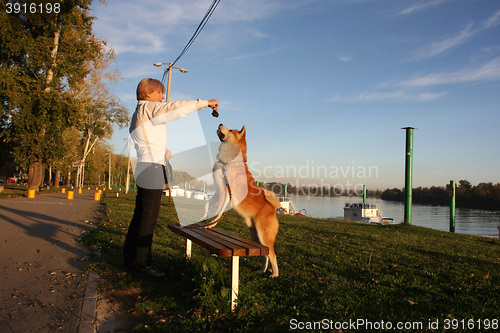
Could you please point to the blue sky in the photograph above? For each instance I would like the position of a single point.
(325, 86)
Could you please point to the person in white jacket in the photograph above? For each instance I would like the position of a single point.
(148, 130)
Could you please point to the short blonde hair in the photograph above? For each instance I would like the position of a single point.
(147, 86)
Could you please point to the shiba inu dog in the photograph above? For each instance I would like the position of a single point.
(256, 205)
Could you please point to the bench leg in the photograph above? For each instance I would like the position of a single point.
(188, 248)
(235, 277)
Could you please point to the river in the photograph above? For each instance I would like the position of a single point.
(467, 221)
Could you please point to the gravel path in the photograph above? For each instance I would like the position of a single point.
(42, 285)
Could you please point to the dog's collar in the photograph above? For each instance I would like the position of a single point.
(227, 165)
(230, 163)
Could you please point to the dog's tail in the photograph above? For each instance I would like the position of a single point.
(271, 198)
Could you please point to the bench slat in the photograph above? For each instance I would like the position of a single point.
(254, 247)
(220, 242)
(213, 247)
(227, 242)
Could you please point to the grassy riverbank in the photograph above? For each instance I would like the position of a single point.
(338, 271)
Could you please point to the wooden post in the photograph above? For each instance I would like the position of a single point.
(188, 248)
(235, 278)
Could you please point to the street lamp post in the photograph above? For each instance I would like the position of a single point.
(169, 70)
(128, 164)
(169, 80)
(109, 172)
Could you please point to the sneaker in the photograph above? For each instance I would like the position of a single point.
(153, 272)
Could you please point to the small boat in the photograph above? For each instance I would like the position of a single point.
(366, 213)
(199, 195)
(288, 207)
(190, 194)
(176, 191)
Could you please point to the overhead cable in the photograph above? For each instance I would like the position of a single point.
(202, 24)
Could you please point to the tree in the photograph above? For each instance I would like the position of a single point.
(42, 56)
(98, 108)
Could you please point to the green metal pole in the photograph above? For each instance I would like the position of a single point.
(286, 190)
(408, 174)
(364, 195)
(451, 190)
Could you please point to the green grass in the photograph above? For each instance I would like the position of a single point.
(340, 271)
(13, 191)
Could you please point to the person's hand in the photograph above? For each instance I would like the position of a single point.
(168, 154)
(213, 104)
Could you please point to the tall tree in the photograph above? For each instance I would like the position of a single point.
(42, 56)
(99, 109)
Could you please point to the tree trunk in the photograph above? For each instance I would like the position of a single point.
(57, 178)
(35, 175)
(53, 55)
(42, 172)
(68, 179)
(36, 170)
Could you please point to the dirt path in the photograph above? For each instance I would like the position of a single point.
(41, 281)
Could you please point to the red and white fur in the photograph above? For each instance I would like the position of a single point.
(256, 205)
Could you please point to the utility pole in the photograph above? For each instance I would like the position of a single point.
(128, 165)
(408, 174)
(451, 192)
(109, 172)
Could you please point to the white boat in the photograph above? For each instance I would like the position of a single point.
(366, 213)
(176, 191)
(198, 195)
(190, 194)
(288, 207)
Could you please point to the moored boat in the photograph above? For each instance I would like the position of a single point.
(366, 213)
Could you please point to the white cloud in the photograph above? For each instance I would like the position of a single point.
(344, 58)
(150, 26)
(444, 45)
(247, 56)
(460, 38)
(489, 71)
(388, 97)
(493, 20)
(412, 89)
(423, 5)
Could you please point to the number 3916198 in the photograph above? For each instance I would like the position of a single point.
(32, 8)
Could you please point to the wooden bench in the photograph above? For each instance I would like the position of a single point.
(222, 244)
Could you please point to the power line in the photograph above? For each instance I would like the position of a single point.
(202, 24)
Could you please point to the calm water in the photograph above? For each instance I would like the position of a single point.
(467, 221)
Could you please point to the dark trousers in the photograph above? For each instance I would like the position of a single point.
(137, 248)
